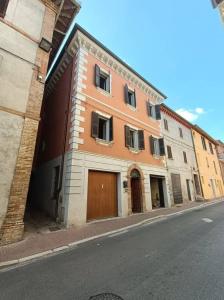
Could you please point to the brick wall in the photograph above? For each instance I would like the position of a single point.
(12, 228)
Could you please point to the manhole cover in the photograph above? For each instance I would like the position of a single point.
(105, 296)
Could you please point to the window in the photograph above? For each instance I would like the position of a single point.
(202, 179)
(134, 138)
(185, 157)
(3, 7)
(165, 122)
(130, 96)
(102, 127)
(169, 152)
(207, 162)
(215, 167)
(181, 132)
(56, 172)
(157, 146)
(153, 110)
(203, 143)
(211, 148)
(102, 79)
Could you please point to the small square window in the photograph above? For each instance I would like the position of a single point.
(102, 79)
(166, 124)
(133, 139)
(169, 152)
(181, 132)
(131, 98)
(103, 129)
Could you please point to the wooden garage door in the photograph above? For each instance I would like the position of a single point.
(102, 195)
(176, 186)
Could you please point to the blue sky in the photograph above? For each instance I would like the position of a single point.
(177, 45)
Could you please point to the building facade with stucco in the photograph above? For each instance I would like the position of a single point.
(28, 29)
(184, 181)
(208, 164)
(220, 152)
(101, 153)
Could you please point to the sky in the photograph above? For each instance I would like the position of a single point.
(176, 45)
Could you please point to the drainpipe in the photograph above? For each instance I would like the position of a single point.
(59, 197)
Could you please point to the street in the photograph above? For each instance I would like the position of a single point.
(181, 257)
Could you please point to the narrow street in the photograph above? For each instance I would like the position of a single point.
(180, 257)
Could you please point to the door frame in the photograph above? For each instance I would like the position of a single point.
(143, 205)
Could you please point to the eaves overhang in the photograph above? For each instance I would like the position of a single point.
(67, 10)
(78, 35)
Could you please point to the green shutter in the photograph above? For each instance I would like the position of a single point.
(111, 129)
(158, 114)
(126, 93)
(161, 147)
(141, 142)
(151, 142)
(95, 125)
(127, 136)
(97, 75)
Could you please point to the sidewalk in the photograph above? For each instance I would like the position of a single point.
(46, 243)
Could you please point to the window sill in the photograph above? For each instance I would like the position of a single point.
(134, 150)
(103, 142)
(102, 91)
(156, 156)
(131, 107)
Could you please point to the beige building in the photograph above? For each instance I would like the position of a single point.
(220, 5)
(220, 152)
(28, 29)
(208, 164)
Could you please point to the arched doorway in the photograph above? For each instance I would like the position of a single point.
(136, 191)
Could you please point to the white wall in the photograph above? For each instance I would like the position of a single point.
(76, 183)
(178, 145)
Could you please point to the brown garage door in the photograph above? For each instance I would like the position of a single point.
(176, 186)
(102, 195)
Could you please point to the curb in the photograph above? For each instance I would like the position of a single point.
(76, 243)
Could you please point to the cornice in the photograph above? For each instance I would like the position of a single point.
(81, 41)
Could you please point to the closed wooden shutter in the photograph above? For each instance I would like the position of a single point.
(148, 108)
(3, 7)
(127, 136)
(134, 98)
(126, 94)
(161, 147)
(111, 137)
(141, 142)
(151, 142)
(95, 125)
(158, 114)
(97, 75)
(169, 152)
(185, 157)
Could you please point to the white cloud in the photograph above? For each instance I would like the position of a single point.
(199, 110)
(187, 114)
(191, 114)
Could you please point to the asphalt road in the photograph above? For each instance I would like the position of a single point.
(181, 257)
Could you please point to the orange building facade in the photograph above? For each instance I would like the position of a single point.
(102, 147)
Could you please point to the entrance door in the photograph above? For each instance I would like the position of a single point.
(176, 186)
(102, 195)
(188, 189)
(136, 192)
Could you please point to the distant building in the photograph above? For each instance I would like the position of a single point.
(101, 152)
(184, 182)
(28, 30)
(220, 152)
(220, 5)
(208, 164)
